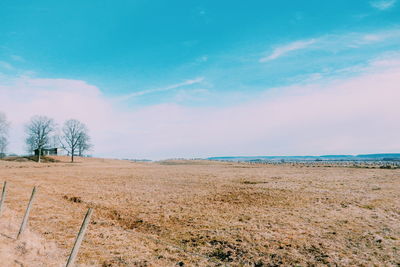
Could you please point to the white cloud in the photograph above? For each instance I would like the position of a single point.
(202, 59)
(163, 89)
(377, 37)
(383, 4)
(283, 50)
(354, 115)
(17, 58)
(5, 65)
(372, 38)
(337, 42)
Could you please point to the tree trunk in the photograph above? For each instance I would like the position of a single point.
(72, 155)
(40, 152)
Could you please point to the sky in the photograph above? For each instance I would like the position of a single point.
(171, 79)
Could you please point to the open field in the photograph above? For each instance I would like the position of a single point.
(202, 213)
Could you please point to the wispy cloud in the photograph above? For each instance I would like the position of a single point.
(358, 39)
(163, 89)
(283, 50)
(372, 38)
(343, 116)
(17, 58)
(383, 4)
(377, 37)
(336, 42)
(6, 65)
(202, 59)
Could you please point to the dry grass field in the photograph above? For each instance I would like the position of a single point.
(201, 213)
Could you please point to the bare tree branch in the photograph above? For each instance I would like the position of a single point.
(84, 144)
(4, 127)
(39, 131)
(75, 138)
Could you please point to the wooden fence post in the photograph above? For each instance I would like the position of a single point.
(79, 238)
(28, 210)
(3, 196)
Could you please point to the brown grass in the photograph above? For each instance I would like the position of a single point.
(200, 213)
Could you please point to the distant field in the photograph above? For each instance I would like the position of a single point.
(202, 213)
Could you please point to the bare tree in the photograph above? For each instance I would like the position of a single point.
(74, 138)
(3, 146)
(84, 144)
(4, 127)
(39, 131)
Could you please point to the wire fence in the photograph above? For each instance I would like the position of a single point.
(24, 224)
(80, 236)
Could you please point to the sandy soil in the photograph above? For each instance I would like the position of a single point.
(199, 213)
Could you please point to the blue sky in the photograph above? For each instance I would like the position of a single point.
(198, 57)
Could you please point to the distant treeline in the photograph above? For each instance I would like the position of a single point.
(363, 157)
